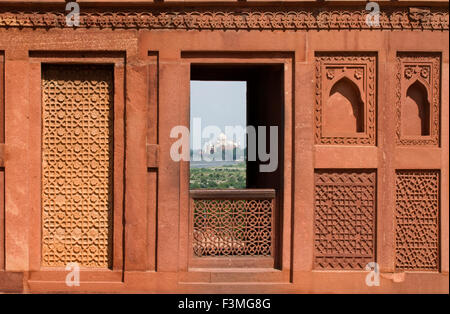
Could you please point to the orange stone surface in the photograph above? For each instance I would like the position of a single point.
(86, 176)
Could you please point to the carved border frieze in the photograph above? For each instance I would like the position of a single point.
(233, 18)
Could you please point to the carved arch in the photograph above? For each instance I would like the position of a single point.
(344, 108)
(416, 110)
(418, 98)
(358, 71)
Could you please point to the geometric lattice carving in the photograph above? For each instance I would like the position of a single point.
(345, 78)
(236, 227)
(77, 165)
(344, 219)
(418, 69)
(417, 220)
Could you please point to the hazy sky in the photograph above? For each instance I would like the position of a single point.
(219, 103)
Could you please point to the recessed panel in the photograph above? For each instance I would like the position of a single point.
(77, 165)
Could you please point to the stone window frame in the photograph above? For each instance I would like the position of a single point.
(279, 268)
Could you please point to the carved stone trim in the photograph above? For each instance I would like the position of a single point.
(360, 68)
(424, 67)
(226, 18)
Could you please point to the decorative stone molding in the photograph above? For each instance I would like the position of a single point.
(359, 70)
(232, 18)
(420, 67)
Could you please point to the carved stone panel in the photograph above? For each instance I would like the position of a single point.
(417, 220)
(77, 165)
(344, 219)
(345, 100)
(235, 227)
(418, 98)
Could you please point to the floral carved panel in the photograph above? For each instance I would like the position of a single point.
(77, 165)
(345, 94)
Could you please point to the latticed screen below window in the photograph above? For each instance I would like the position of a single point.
(241, 226)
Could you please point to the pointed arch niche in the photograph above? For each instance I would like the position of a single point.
(416, 111)
(343, 113)
(345, 108)
(418, 102)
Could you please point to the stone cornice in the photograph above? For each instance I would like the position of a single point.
(233, 18)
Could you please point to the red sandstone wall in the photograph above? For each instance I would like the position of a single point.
(151, 64)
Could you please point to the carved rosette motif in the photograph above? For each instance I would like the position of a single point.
(359, 68)
(425, 68)
(77, 165)
(344, 219)
(417, 220)
(232, 227)
(223, 18)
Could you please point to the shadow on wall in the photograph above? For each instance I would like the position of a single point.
(344, 110)
(416, 110)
